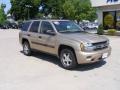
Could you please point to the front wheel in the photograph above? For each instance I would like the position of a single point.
(26, 48)
(68, 59)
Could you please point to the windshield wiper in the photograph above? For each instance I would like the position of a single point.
(79, 31)
(64, 31)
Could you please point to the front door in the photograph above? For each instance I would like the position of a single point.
(49, 41)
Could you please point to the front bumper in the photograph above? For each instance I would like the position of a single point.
(91, 57)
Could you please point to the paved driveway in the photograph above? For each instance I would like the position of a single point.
(43, 72)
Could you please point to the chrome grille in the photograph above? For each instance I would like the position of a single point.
(100, 45)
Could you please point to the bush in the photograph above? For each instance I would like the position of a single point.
(100, 30)
(111, 32)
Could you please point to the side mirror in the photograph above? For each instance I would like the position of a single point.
(50, 32)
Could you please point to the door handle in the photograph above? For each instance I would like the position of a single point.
(28, 35)
(40, 37)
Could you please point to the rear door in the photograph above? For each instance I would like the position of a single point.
(34, 35)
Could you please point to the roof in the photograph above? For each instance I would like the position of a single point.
(47, 20)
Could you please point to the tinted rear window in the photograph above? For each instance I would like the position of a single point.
(25, 26)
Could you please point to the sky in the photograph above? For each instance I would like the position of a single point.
(8, 5)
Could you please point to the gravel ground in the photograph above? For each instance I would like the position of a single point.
(43, 72)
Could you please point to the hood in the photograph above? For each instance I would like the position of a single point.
(84, 37)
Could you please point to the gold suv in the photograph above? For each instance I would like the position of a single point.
(64, 39)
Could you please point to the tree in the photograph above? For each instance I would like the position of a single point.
(54, 7)
(84, 10)
(24, 9)
(70, 9)
(2, 14)
(79, 10)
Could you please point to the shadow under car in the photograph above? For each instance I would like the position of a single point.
(56, 61)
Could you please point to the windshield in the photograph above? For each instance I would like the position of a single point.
(66, 26)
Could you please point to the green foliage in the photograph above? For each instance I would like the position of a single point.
(85, 11)
(111, 32)
(79, 10)
(24, 9)
(100, 30)
(118, 24)
(39, 15)
(109, 20)
(2, 15)
(68, 9)
(55, 7)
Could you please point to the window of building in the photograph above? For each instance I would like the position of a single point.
(118, 20)
(109, 20)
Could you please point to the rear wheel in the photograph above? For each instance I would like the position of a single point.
(68, 59)
(26, 48)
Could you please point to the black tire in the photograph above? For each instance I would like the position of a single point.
(72, 63)
(26, 48)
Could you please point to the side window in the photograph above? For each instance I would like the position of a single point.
(25, 26)
(46, 26)
(35, 26)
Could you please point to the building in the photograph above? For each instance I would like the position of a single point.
(108, 12)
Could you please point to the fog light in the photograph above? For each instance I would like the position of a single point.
(89, 58)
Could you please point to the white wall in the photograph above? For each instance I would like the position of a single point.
(98, 3)
(100, 16)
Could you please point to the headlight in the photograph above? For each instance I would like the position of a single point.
(88, 44)
(86, 47)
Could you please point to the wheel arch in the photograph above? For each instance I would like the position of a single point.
(62, 46)
(24, 40)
